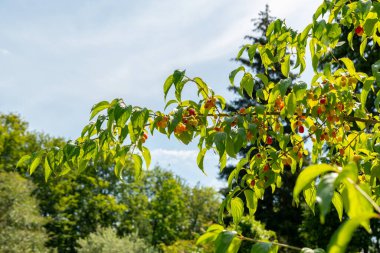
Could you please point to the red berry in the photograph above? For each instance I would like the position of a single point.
(192, 112)
(145, 136)
(242, 110)
(266, 168)
(253, 183)
(269, 140)
(301, 129)
(359, 31)
(323, 101)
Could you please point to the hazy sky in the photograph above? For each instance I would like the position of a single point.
(58, 58)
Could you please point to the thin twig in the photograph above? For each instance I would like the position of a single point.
(275, 243)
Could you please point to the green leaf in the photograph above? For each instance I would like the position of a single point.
(202, 87)
(308, 175)
(341, 238)
(252, 51)
(337, 201)
(305, 33)
(308, 250)
(224, 240)
(137, 162)
(299, 90)
(98, 108)
(35, 162)
(234, 245)
(168, 83)
(237, 210)
(291, 104)
(310, 195)
(325, 192)
(264, 247)
(234, 73)
(147, 157)
(355, 204)
(220, 139)
(200, 159)
(350, 38)
(349, 65)
(47, 169)
(241, 51)
(366, 88)
(251, 200)
(360, 113)
(285, 65)
(25, 159)
(369, 26)
(247, 84)
(263, 78)
(362, 47)
(376, 71)
(212, 233)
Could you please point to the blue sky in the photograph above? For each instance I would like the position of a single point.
(58, 58)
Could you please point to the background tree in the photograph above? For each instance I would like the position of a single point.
(105, 240)
(275, 206)
(21, 225)
(78, 203)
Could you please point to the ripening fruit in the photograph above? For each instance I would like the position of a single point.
(252, 183)
(359, 30)
(192, 112)
(323, 100)
(299, 154)
(242, 110)
(352, 80)
(249, 136)
(266, 168)
(340, 107)
(180, 128)
(301, 129)
(144, 137)
(357, 158)
(320, 110)
(218, 129)
(277, 127)
(269, 140)
(163, 122)
(330, 119)
(341, 151)
(193, 122)
(210, 103)
(184, 120)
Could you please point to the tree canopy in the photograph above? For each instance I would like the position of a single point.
(330, 113)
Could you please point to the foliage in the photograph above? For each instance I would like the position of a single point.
(346, 175)
(186, 246)
(21, 226)
(277, 205)
(106, 240)
(163, 209)
(79, 203)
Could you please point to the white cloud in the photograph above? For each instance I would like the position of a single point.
(183, 163)
(4, 51)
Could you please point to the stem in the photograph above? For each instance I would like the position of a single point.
(365, 195)
(349, 144)
(275, 243)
